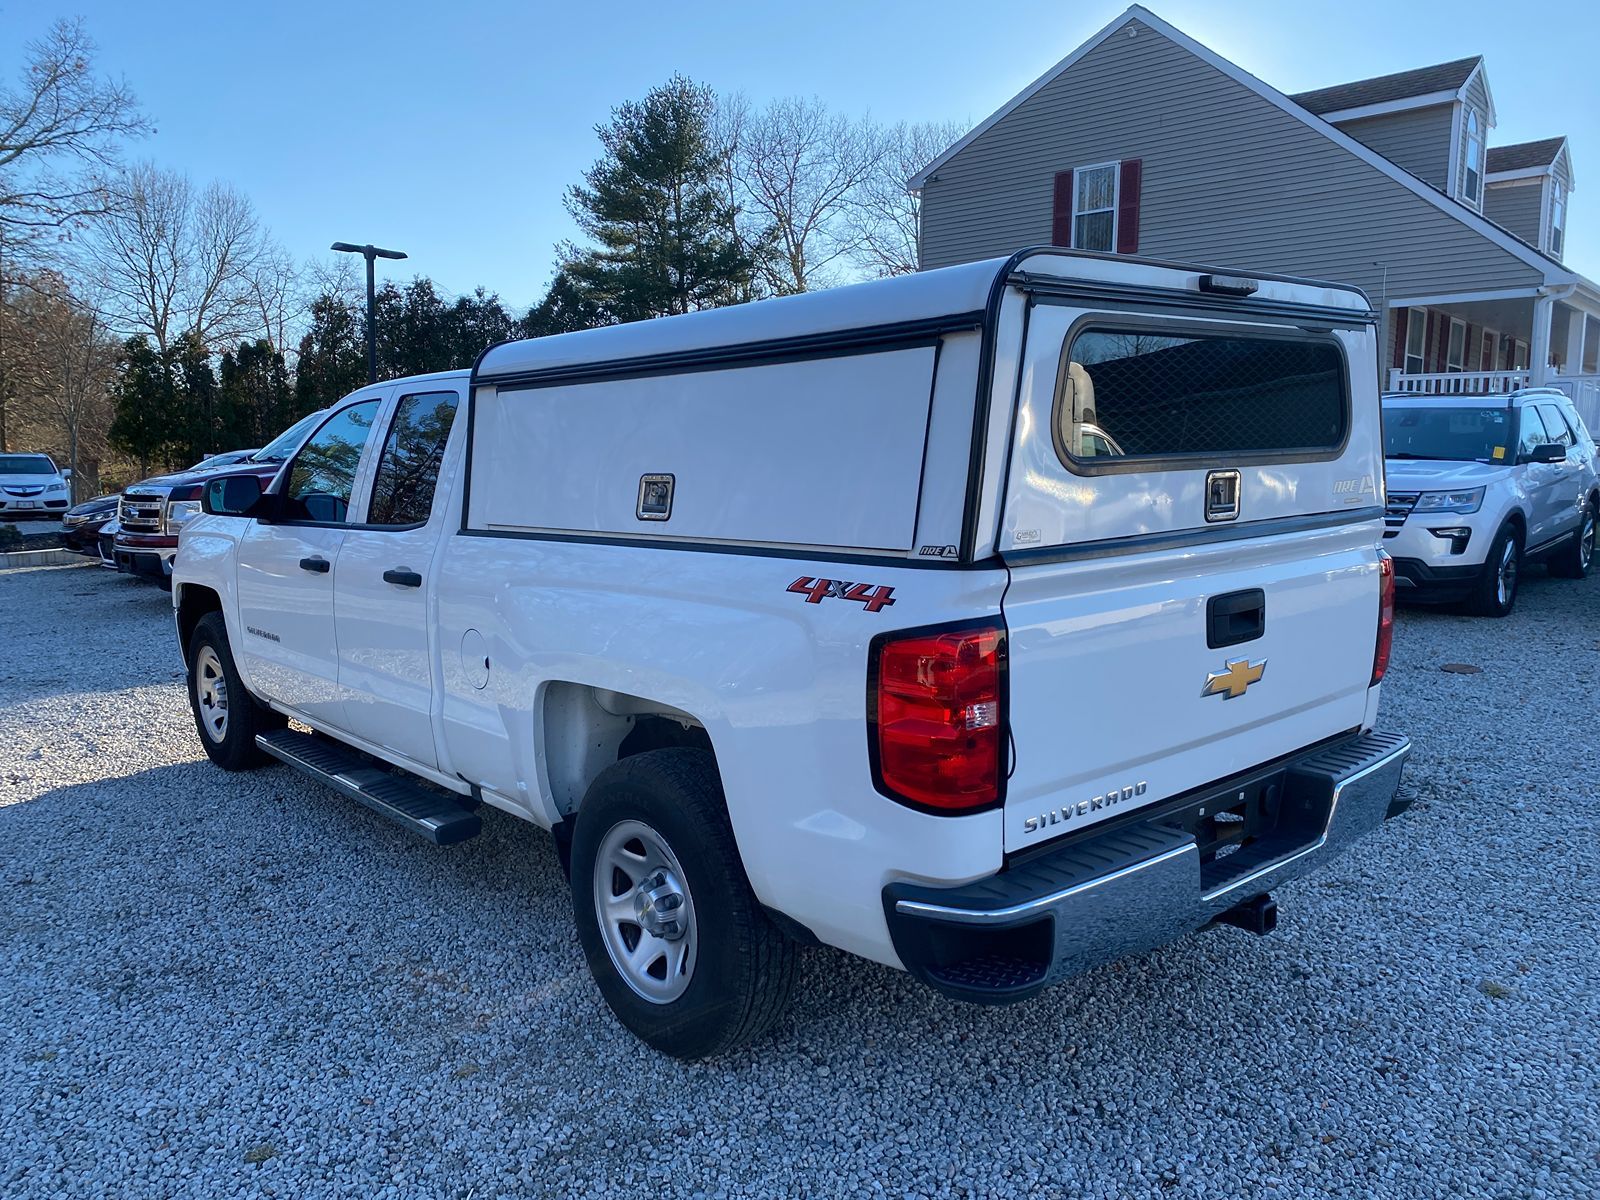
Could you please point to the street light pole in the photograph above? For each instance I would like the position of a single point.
(369, 252)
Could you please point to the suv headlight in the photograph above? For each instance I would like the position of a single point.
(180, 511)
(56, 487)
(1455, 502)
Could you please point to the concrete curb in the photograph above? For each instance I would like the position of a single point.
(41, 558)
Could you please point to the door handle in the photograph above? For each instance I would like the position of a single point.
(1236, 617)
(402, 577)
(318, 565)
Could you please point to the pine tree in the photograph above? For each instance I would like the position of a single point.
(658, 213)
(333, 355)
(147, 422)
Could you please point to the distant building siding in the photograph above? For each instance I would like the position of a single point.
(1419, 140)
(1228, 178)
(1516, 206)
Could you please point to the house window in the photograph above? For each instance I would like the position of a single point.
(1558, 216)
(1094, 207)
(1455, 355)
(1472, 180)
(1416, 340)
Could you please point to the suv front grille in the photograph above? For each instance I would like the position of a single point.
(1399, 508)
(140, 512)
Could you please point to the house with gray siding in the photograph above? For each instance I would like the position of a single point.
(1144, 142)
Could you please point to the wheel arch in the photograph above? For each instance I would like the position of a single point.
(193, 602)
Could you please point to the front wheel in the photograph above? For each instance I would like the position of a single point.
(1572, 560)
(676, 940)
(225, 715)
(1495, 592)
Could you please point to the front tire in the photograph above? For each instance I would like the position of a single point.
(1495, 592)
(677, 942)
(226, 717)
(1572, 561)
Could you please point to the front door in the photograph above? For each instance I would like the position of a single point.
(384, 590)
(288, 568)
(1541, 480)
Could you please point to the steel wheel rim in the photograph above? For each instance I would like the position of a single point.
(1506, 576)
(211, 693)
(1586, 540)
(645, 912)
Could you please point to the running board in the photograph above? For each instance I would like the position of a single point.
(429, 814)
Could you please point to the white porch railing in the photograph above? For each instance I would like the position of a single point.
(1459, 383)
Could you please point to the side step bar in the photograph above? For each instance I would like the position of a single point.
(441, 820)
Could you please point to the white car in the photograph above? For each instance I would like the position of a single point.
(32, 486)
(992, 623)
(1478, 486)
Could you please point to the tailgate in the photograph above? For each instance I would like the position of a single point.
(1191, 521)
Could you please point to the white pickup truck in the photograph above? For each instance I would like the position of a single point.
(992, 623)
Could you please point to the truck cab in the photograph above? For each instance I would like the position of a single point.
(992, 623)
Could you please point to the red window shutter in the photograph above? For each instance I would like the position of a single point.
(1128, 189)
(1061, 211)
(1428, 326)
(1486, 355)
(1466, 346)
(1400, 315)
(1441, 343)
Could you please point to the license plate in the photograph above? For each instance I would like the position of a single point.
(23, 504)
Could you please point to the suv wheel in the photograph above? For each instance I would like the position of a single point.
(225, 715)
(1572, 560)
(676, 940)
(1495, 593)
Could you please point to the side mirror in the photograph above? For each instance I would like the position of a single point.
(232, 496)
(66, 472)
(1549, 452)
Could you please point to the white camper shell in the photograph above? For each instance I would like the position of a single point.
(1024, 614)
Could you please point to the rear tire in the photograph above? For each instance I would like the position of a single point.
(226, 717)
(677, 942)
(1495, 592)
(1573, 560)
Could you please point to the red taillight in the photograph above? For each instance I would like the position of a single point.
(935, 717)
(1380, 657)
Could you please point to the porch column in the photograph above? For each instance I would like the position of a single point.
(1572, 355)
(1539, 348)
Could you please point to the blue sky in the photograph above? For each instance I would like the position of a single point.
(451, 130)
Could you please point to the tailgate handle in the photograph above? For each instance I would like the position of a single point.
(1236, 617)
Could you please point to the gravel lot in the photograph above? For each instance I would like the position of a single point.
(217, 986)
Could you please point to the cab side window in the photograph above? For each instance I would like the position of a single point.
(1556, 425)
(408, 471)
(1532, 433)
(324, 472)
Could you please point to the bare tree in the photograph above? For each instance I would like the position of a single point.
(885, 215)
(799, 167)
(59, 127)
(176, 262)
(278, 298)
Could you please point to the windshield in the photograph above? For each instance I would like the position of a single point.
(287, 442)
(1452, 434)
(26, 464)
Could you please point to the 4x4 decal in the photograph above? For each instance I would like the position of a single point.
(873, 597)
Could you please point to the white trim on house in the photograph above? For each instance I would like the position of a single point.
(1521, 175)
(1468, 112)
(1405, 104)
(1464, 297)
(1452, 173)
(1554, 272)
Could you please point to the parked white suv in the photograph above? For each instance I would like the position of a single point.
(1480, 485)
(32, 486)
(992, 622)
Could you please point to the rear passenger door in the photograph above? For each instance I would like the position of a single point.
(1541, 481)
(383, 597)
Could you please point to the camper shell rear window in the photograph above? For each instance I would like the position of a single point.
(1130, 395)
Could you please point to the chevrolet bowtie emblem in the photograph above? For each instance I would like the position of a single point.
(1231, 684)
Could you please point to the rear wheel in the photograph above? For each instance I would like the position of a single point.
(1572, 560)
(1495, 593)
(225, 715)
(675, 938)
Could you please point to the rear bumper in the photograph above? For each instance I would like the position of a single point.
(1139, 884)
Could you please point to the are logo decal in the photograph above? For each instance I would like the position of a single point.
(873, 597)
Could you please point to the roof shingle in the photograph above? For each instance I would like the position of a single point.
(1402, 85)
(1524, 154)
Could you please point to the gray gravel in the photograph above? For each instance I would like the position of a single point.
(219, 986)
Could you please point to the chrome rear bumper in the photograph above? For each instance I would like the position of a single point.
(1141, 883)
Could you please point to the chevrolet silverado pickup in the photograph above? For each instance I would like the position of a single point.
(993, 623)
